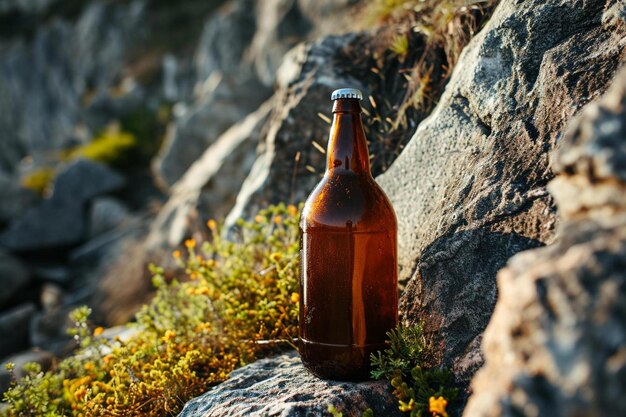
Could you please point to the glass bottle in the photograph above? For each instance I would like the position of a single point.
(348, 250)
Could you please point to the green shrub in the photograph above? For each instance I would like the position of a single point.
(234, 294)
(421, 389)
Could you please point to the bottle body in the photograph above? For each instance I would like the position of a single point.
(349, 296)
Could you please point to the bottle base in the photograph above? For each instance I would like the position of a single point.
(338, 362)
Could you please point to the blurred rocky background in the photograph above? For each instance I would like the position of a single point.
(125, 125)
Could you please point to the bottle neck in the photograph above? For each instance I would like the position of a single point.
(347, 146)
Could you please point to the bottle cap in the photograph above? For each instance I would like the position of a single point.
(346, 93)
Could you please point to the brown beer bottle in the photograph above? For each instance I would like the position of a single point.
(348, 246)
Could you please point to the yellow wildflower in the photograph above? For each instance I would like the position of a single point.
(193, 276)
(98, 331)
(80, 393)
(259, 218)
(211, 224)
(89, 366)
(202, 291)
(276, 256)
(406, 407)
(176, 254)
(190, 243)
(169, 335)
(292, 210)
(278, 219)
(295, 297)
(437, 406)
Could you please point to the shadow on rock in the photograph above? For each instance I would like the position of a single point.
(454, 292)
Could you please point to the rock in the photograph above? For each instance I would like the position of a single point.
(46, 77)
(556, 344)
(124, 284)
(14, 200)
(228, 90)
(48, 330)
(13, 277)
(51, 272)
(280, 386)
(14, 328)
(470, 188)
(210, 185)
(60, 220)
(306, 78)
(51, 296)
(25, 6)
(41, 357)
(105, 214)
(280, 26)
(48, 225)
(236, 62)
(83, 180)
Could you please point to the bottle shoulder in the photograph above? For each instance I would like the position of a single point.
(349, 201)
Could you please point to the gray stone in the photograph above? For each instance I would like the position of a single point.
(281, 386)
(14, 200)
(236, 61)
(106, 213)
(13, 277)
(25, 6)
(48, 331)
(45, 78)
(209, 187)
(48, 225)
(14, 329)
(227, 90)
(556, 345)
(41, 357)
(83, 180)
(52, 272)
(470, 188)
(60, 220)
(306, 78)
(51, 296)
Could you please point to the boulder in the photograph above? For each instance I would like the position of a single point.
(106, 213)
(46, 77)
(13, 277)
(556, 344)
(83, 180)
(281, 386)
(470, 188)
(236, 60)
(14, 328)
(209, 186)
(60, 220)
(306, 78)
(14, 199)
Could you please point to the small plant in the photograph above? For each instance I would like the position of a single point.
(400, 45)
(236, 300)
(111, 147)
(39, 180)
(421, 390)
